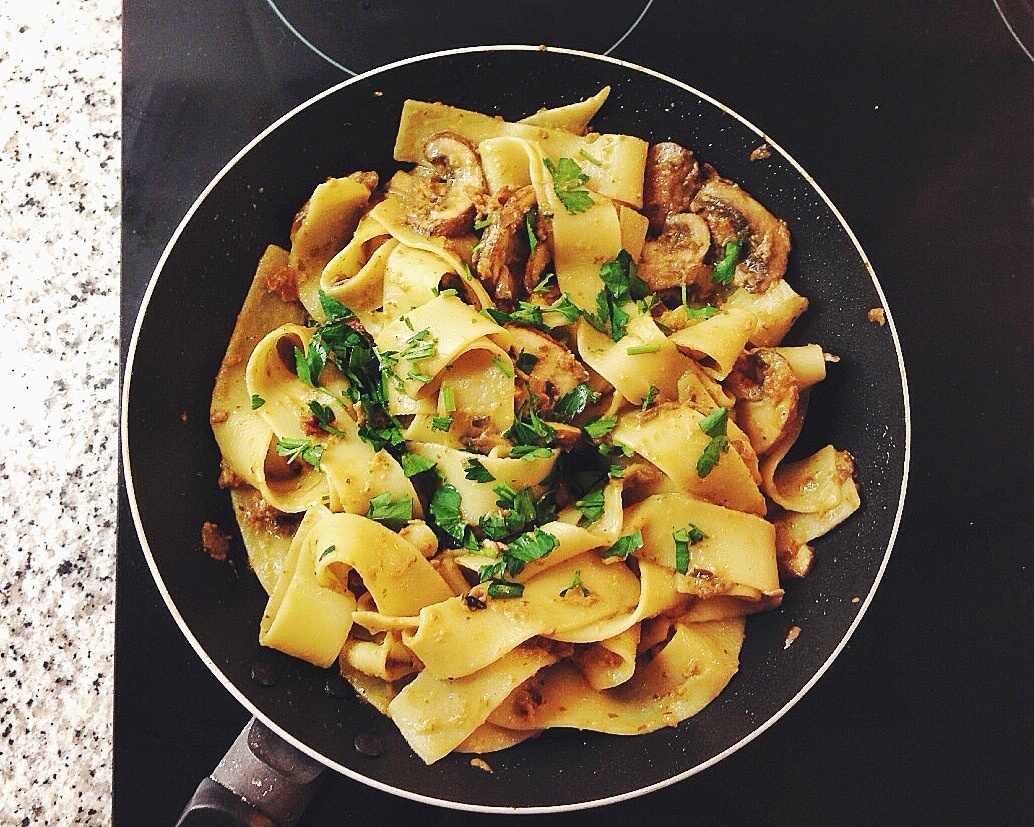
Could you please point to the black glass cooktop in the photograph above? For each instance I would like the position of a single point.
(917, 120)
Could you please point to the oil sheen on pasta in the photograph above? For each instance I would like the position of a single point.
(505, 433)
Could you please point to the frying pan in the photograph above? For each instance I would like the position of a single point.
(171, 460)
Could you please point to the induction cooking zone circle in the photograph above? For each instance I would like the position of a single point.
(1018, 16)
(359, 35)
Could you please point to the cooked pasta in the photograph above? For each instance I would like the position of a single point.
(507, 436)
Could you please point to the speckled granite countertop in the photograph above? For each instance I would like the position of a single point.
(59, 258)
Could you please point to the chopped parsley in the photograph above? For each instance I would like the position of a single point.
(257, 401)
(567, 178)
(684, 538)
(445, 513)
(576, 583)
(621, 285)
(477, 472)
(531, 218)
(342, 341)
(324, 417)
(724, 269)
(413, 464)
(651, 396)
(441, 423)
(714, 425)
(526, 362)
(596, 162)
(591, 505)
(326, 551)
(599, 428)
(705, 312)
(395, 514)
(530, 429)
(544, 283)
(530, 452)
(305, 449)
(505, 589)
(574, 402)
(624, 546)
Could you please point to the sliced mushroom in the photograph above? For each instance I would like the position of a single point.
(733, 215)
(505, 244)
(671, 179)
(676, 256)
(768, 397)
(556, 372)
(444, 196)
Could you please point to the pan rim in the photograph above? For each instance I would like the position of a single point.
(128, 478)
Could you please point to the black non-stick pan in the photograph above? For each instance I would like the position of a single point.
(172, 462)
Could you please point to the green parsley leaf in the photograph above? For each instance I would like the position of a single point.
(393, 513)
(413, 464)
(324, 416)
(651, 396)
(574, 402)
(481, 223)
(624, 546)
(304, 449)
(421, 345)
(526, 362)
(326, 551)
(566, 308)
(705, 312)
(525, 548)
(504, 589)
(599, 428)
(622, 280)
(477, 472)
(714, 425)
(445, 512)
(309, 364)
(441, 423)
(530, 452)
(257, 401)
(684, 538)
(591, 506)
(576, 583)
(724, 269)
(567, 178)
(530, 430)
(544, 283)
(531, 218)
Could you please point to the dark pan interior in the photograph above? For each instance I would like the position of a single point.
(173, 461)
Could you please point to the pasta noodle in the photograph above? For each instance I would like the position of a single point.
(509, 438)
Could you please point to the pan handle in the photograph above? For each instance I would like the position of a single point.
(262, 781)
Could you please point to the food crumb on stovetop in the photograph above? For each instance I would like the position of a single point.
(481, 764)
(878, 315)
(215, 541)
(791, 636)
(761, 153)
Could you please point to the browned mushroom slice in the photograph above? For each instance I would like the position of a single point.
(734, 215)
(444, 196)
(768, 397)
(505, 244)
(555, 372)
(671, 179)
(676, 256)
(540, 256)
